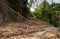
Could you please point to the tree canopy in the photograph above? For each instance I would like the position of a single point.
(50, 14)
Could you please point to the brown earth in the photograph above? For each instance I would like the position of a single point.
(19, 30)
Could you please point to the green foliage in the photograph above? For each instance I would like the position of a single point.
(56, 13)
(51, 15)
(31, 2)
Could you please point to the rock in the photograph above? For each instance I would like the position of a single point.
(59, 34)
(51, 33)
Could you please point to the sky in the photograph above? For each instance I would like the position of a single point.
(34, 5)
(56, 1)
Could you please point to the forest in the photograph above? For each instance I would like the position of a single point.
(29, 19)
(48, 12)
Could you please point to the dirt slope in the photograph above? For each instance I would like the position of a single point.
(17, 30)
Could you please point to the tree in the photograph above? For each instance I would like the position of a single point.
(9, 10)
(56, 14)
(20, 6)
(48, 12)
(40, 12)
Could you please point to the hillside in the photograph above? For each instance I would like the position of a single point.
(16, 22)
(34, 29)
